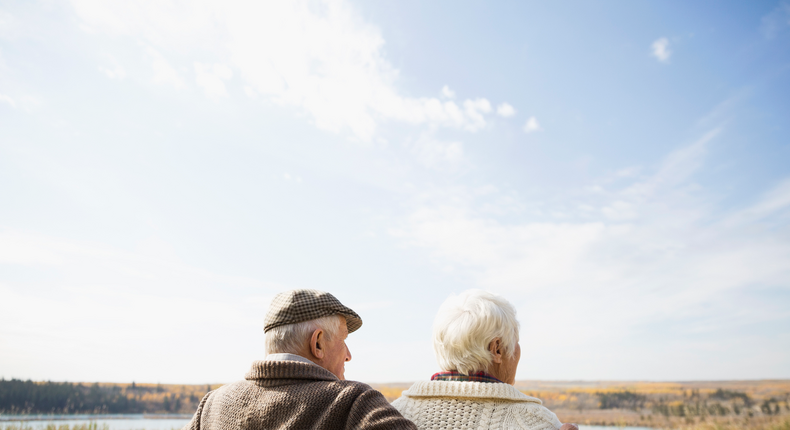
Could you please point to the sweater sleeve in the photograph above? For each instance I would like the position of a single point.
(371, 410)
(194, 423)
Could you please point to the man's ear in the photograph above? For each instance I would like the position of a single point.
(317, 344)
(495, 348)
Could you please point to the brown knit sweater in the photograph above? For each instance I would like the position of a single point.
(294, 395)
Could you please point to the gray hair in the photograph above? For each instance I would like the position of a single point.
(466, 324)
(291, 338)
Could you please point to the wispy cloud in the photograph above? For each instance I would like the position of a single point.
(433, 152)
(648, 253)
(164, 73)
(115, 72)
(211, 77)
(661, 49)
(776, 22)
(7, 99)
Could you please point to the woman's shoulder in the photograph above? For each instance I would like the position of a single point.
(501, 404)
(469, 390)
(532, 416)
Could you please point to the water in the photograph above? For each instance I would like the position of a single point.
(112, 422)
(584, 427)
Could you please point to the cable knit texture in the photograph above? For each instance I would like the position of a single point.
(439, 405)
(295, 395)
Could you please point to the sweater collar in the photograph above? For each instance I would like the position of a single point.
(269, 373)
(473, 390)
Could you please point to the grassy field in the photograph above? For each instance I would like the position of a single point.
(718, 405)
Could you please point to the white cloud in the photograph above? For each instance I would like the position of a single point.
(433, 152)
(8, 99)
(661, 49)
(10, 26)
(322, 58)
(505, 110)
(475, 109)
(29, 103)
(93, 301)
(655, 255)
(210, 78)
(251, 93)
(288, 177)
(620, 211)
(26, 102)
(164, 73)
(116, 72)
(532, 125)
(447, 92)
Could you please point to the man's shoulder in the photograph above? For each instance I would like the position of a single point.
(232, 389)
(347, 387)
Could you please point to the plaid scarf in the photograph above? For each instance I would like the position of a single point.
(452, 375)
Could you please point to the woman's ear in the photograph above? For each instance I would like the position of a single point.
(316, 344)
(495, 348)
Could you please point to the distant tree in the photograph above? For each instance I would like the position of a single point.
(731, 395)
(766, 407)
(621, 400)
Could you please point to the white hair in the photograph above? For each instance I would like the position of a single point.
(291, 338)
(466, 324)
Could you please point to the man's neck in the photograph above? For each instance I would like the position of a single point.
(285, 356)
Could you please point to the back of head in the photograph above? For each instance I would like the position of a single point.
(466, 324)
(292, 338)
(294, 315)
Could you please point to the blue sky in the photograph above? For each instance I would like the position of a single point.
(618, 171)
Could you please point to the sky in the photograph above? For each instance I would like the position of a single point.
(619, 171)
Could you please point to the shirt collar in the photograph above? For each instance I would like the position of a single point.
(284, 356)
(452, 375)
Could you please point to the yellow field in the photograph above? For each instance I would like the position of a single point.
(714, 405)
(703, 405)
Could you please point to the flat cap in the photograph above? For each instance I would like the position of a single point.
(295, 306)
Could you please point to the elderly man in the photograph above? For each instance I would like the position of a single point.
(301, 383)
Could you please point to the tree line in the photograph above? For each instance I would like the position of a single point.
(28, 397)
(693, 404)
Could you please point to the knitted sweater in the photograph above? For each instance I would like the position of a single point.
(439, 405)
(294, 395)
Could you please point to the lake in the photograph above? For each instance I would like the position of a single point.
(112, 422)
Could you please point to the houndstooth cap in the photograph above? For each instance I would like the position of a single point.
(295, 306)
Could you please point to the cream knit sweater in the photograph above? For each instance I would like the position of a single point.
(442, 405)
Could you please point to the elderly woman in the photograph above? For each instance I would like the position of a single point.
(475, 338)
